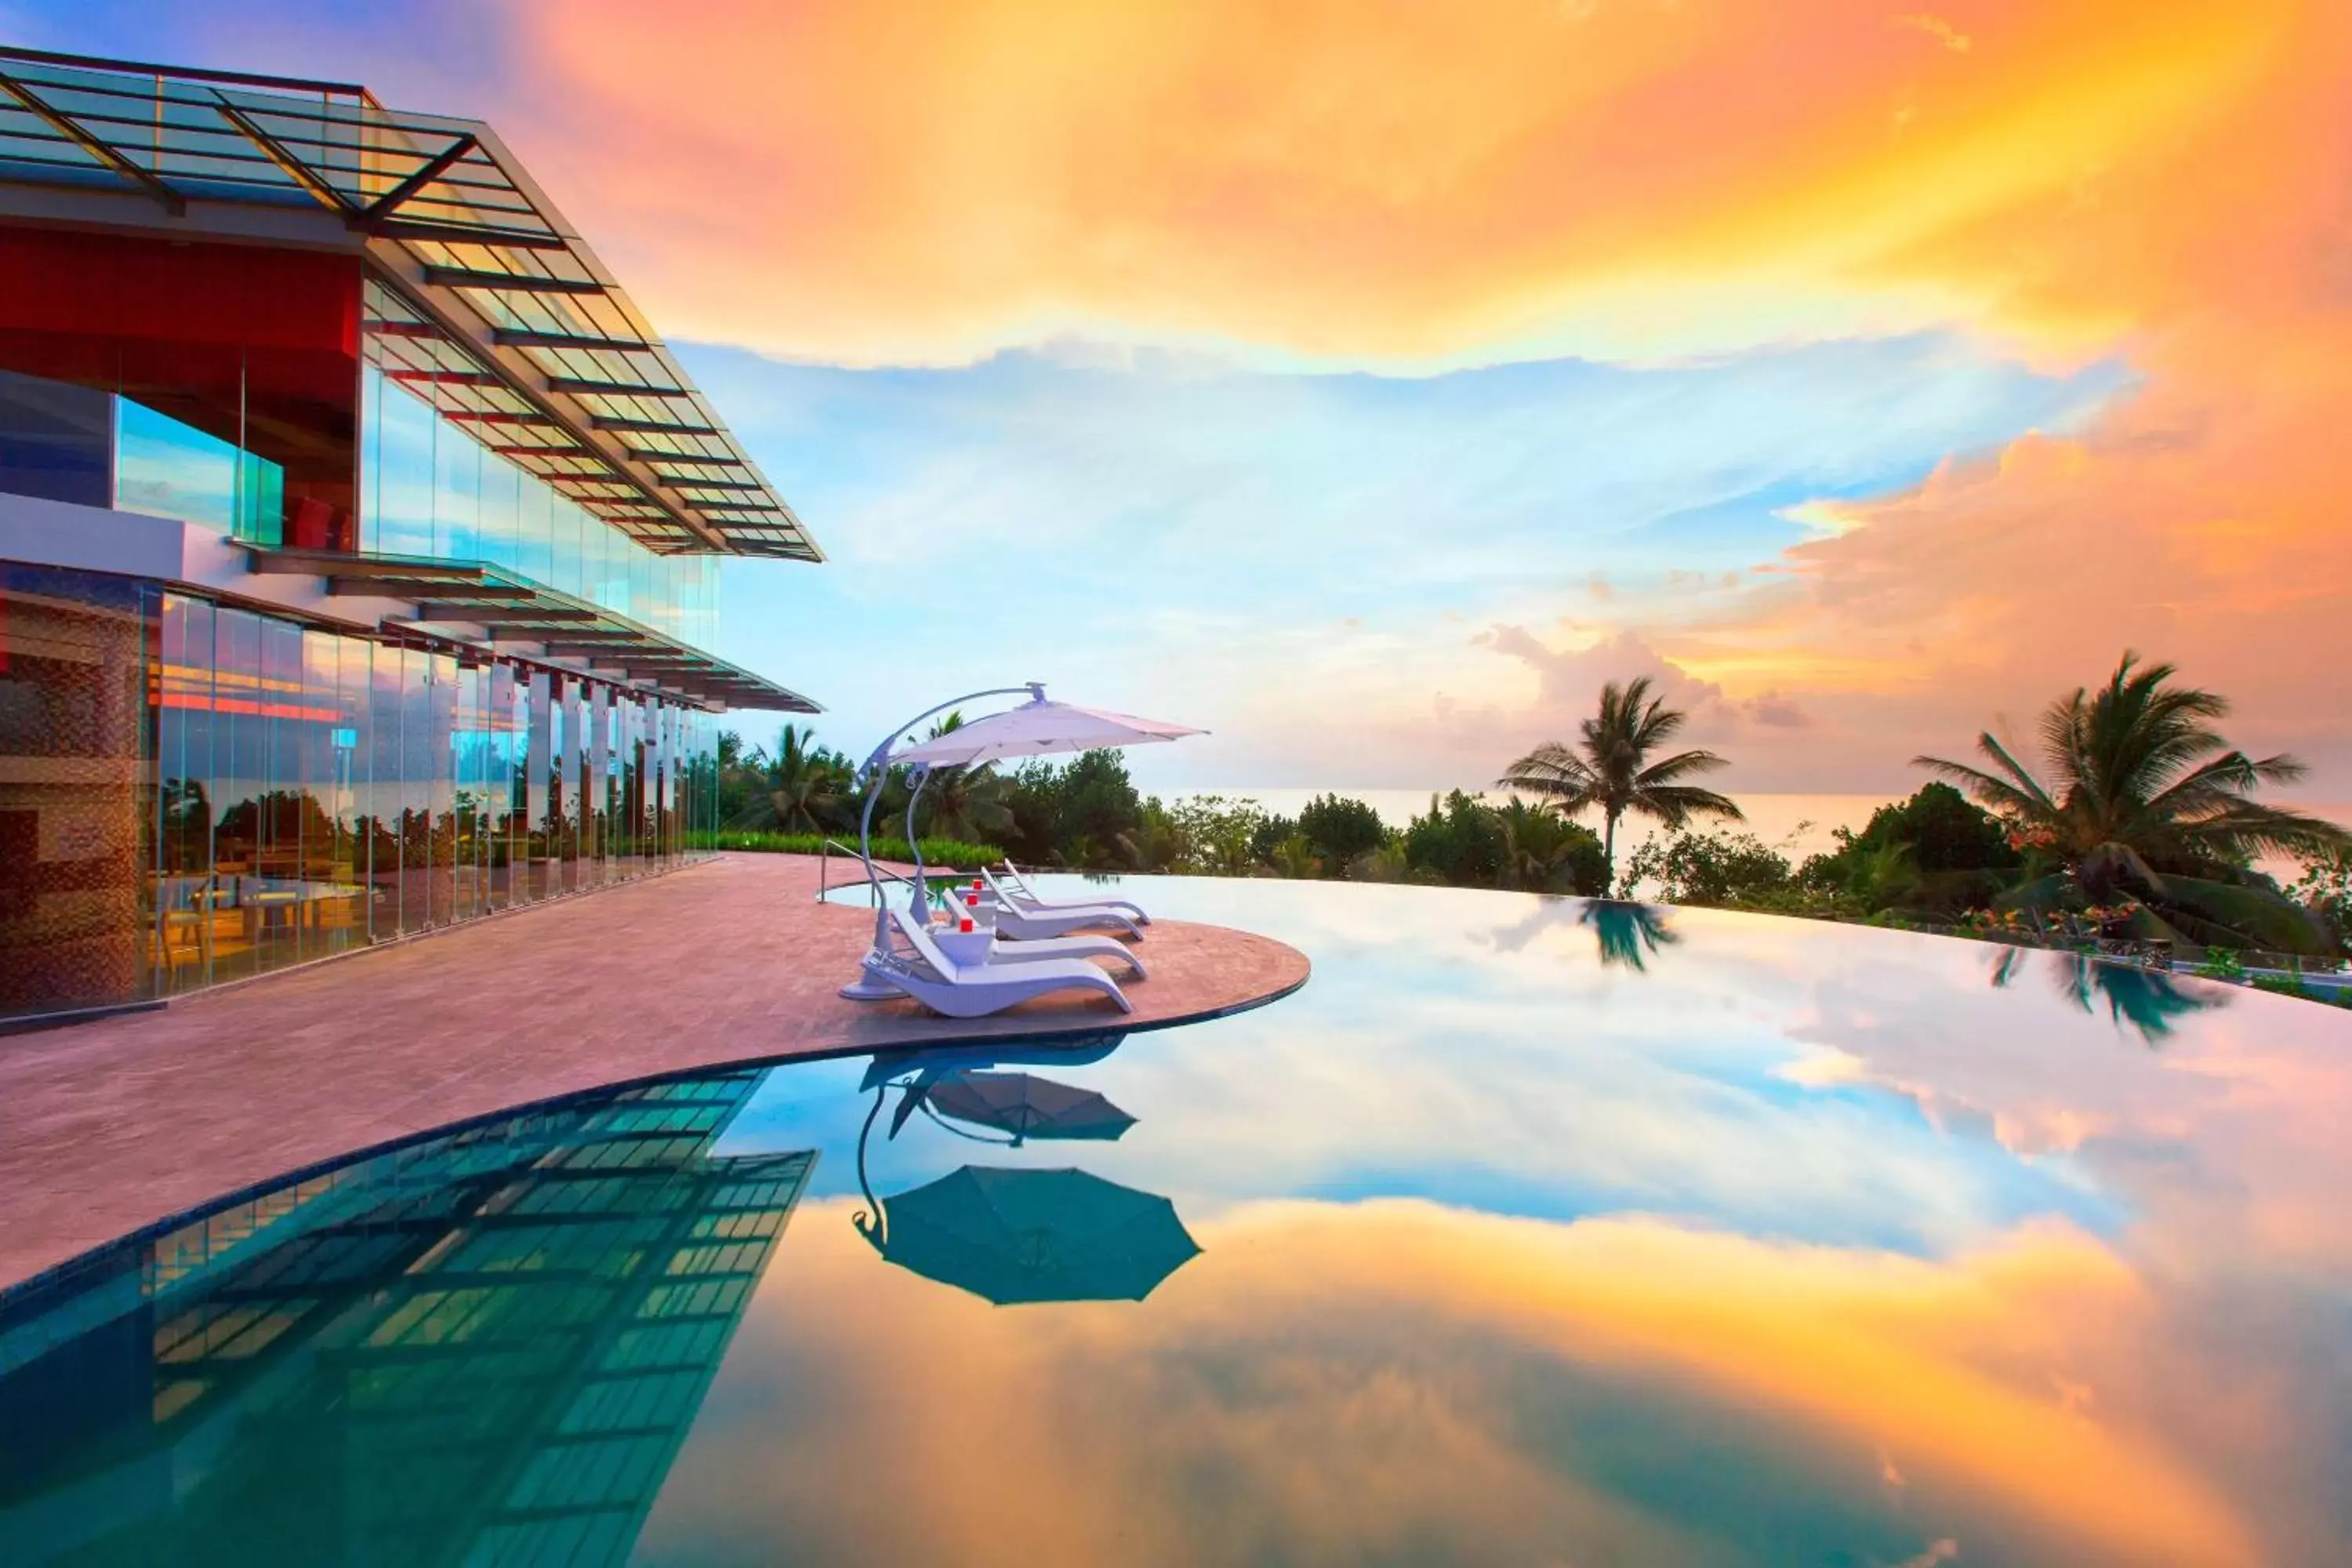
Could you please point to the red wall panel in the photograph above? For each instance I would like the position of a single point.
(93, 285)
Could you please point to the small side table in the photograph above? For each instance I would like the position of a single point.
(964, 948)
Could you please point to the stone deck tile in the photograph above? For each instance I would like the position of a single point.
(110, 1126)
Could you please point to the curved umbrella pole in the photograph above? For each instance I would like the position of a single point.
(870, 777)
(944, 1125)
(872, 1222)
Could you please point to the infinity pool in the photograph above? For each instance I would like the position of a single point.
(1530, 1231)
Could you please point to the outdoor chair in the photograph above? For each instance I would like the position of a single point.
(1022, 921)
(1019, 886)
(1033, 949)
(977, 990)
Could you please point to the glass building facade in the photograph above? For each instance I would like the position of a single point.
(355, 582)
(442, 479)
(193, 791)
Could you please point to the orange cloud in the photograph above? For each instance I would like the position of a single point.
(1344, 1382)
(1394, 182)
(904, 180)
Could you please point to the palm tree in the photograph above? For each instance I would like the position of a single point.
(807, 783)
(2145, 802)
(1610, 767)
(965, 803)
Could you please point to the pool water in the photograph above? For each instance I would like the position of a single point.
(1529, 1231)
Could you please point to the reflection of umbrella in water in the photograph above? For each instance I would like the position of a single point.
(1027, 1106)
(939, 1060)
(1010, 1235)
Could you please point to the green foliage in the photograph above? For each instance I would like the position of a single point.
(2222, 964)
(1296, 857)
(936, 852)
(1460, 843)
(1270, 831)
(2326, 890)
(1610, 768)
(1385, 864)
(801, 788)
(1543, 852)
(2294, 986)
(1935, 852)
(1341, 830)
(2138, 798)
(1085, 815)
(1206, 834)
(1719, 868)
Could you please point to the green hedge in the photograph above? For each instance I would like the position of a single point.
(939, 852)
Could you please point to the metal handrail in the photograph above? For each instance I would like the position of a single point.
(823, 860)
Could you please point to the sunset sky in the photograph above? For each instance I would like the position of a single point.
(1367, 382)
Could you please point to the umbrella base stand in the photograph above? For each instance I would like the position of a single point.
(866, 988)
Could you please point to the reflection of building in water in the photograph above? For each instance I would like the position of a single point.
(486, 1348)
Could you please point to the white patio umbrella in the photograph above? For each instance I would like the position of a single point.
(1039, 727)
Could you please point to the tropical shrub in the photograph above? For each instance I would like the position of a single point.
(2326, 890)
(1296, 857)
(1717, 867)
(1936, 852)
(941, 852)
(1269, 832)
(1340, 829)
(1543, 852)
(1460, 842)
(2140, 800)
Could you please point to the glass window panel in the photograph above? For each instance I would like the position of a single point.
(502, 783)
(591, 785)
(240, 782)
(346, 918)
(441, 707)
(402, 486)
(544, 767)
(371, 385)
(383, 795)
(416, 758)
(165, 469)
(183, 746)
(273, 897)
(56, 440)
(456, 497)
(501, 492)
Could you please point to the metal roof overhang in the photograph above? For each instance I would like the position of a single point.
(447, 218)
(509, 610)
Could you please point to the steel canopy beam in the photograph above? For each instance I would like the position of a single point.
(108, 155)
(509, 282)
(649, 427)
(579, 387)
(515, 338)
(432, 169)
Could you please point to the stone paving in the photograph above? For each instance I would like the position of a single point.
(109, 1126)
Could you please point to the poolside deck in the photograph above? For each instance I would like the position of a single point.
(109, 1126)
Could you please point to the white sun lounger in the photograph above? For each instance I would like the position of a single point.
(976, 990)
(1033, 949)
(1019, 886)
(1024, 922)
